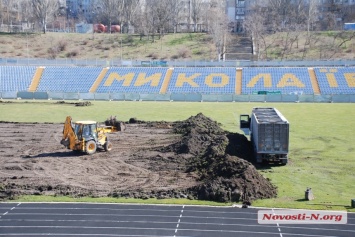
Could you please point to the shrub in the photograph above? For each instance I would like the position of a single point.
(184, 53)
(62, 45)
(153, 56)
(72, 53)
(53, 52)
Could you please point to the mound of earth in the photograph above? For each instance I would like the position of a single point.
(225, 176)
(84, 103)
(193, 159)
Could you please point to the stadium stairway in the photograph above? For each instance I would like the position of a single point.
(36, 79)
(98, 80)
(238, 84)
(314, 81)
(166, 81)
(239, 48)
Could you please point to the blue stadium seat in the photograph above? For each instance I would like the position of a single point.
(68, 79)
(283, 80)
(334, 81)
(133, 80)
(203, 80)
(16, 78)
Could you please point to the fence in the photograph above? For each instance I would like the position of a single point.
(178, 97)
(157, 63)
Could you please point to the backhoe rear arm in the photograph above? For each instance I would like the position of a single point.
(68, 133)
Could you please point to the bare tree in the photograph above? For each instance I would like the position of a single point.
(109, 13)
(129, 10)
(1, 12)
(256, 25)
(158, 14)
(10, 12)
(44, 10)
(312, 16)
(26, 11)
(139, 21)
(218, 26)
(176, 11)
(338, 39)
(196, 12)
(279, 11)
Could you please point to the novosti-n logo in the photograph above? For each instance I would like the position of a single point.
(285, 216)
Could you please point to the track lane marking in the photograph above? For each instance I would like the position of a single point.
(8, 212)
(277, 224)
(177, 226)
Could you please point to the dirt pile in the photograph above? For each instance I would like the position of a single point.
(225, 177)
(112, 121)
(84, 103)
(194, 159)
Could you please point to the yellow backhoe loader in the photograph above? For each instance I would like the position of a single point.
(87, 136)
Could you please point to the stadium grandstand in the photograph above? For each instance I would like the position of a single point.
(179, 80)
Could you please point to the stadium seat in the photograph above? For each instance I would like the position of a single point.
(16, 78)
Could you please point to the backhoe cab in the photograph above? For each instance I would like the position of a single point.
(86, 136)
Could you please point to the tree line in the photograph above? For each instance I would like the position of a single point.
(300, 25)
(144, 15)
(154, 18)
(147, 17)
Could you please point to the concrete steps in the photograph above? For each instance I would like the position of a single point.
(239, 48)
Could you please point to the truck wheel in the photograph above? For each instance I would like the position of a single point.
(90, 147)
(284, 162)
(108, 146)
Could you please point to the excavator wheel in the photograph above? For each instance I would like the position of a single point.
(108, 146)
(90, 147)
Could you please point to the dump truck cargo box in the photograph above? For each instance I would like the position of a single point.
(269, 132)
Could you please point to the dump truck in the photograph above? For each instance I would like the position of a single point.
(269, 134)
(87, 136)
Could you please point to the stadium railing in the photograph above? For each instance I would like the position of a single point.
(188, 97)
(173, 63)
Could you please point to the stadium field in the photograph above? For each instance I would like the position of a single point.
(322, 140)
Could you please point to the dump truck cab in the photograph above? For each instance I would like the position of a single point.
(245, 123)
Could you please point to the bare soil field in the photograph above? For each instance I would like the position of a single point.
(192, 159)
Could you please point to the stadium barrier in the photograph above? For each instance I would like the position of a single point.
(102, 96)
(188, 97)
(343, 98)
(132, 97)
(87, 96)
(116, 96)
(9, 95)
(173, 63)
(32, 95)
(210, 98)
(162, 97)
(241, 98)
(177, 97)
(55, 95)
(225, 98)
(71, 96)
